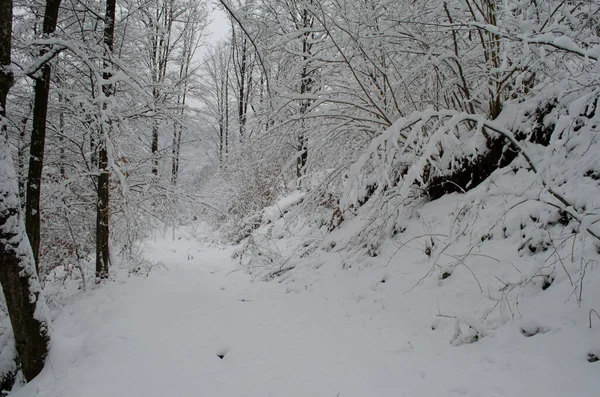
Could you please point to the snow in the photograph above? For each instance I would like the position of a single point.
(356, 284)
(321, 331)
(276, 211)
(13, 238)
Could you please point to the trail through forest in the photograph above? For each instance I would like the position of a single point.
(163, 335)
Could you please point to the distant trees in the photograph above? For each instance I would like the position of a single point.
(480, 57)
(107, 90)
(217, 98)
(86, 164)
(341, 73)
(100, 104)
(38, 134)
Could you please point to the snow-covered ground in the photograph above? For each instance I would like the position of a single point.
(332, 333)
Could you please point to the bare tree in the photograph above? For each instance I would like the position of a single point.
(102, 214)
(38, 136)
(193, 28)
(18, 275)
(218, 70)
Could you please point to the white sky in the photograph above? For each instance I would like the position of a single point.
(219, 27)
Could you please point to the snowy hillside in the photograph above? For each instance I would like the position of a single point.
(499, 273)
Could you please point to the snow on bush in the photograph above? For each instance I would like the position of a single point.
(527, 225)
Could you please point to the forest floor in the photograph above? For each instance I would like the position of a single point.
(198, 326)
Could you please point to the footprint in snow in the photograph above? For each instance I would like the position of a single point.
(221, 353)
(531, 328)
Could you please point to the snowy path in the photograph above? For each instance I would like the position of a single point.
(160, 337)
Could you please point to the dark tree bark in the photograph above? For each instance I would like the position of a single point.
(243, 71)
(162, 23)
(176, 149)
(23, 144)
(102, 209)
(242, 90)
(38, 138)
(499, 153)
(61, 137)
(472, 172)
(184, 73)
(154, 148)
(306, 83)
(226, 98)
(17, 267)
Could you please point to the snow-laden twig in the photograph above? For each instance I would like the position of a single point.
(427, 149)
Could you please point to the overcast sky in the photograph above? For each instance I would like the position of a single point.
(219, 26)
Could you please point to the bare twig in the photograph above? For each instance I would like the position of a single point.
(412, 239)
(561, 262)
(258, 52)
(596, 313)
(462, 262)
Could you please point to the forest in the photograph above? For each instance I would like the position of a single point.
(421, 168)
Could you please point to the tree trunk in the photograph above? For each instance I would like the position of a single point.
(21, 156)
(227, 113)
(17, 267)
(241, 68)
(306, 82)
(61, 137)
(161, 55)
(102, 213)
(242, 92)
(221, 107)
(175, 153)
(102, 216)
(155, 148)
(38, 138)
